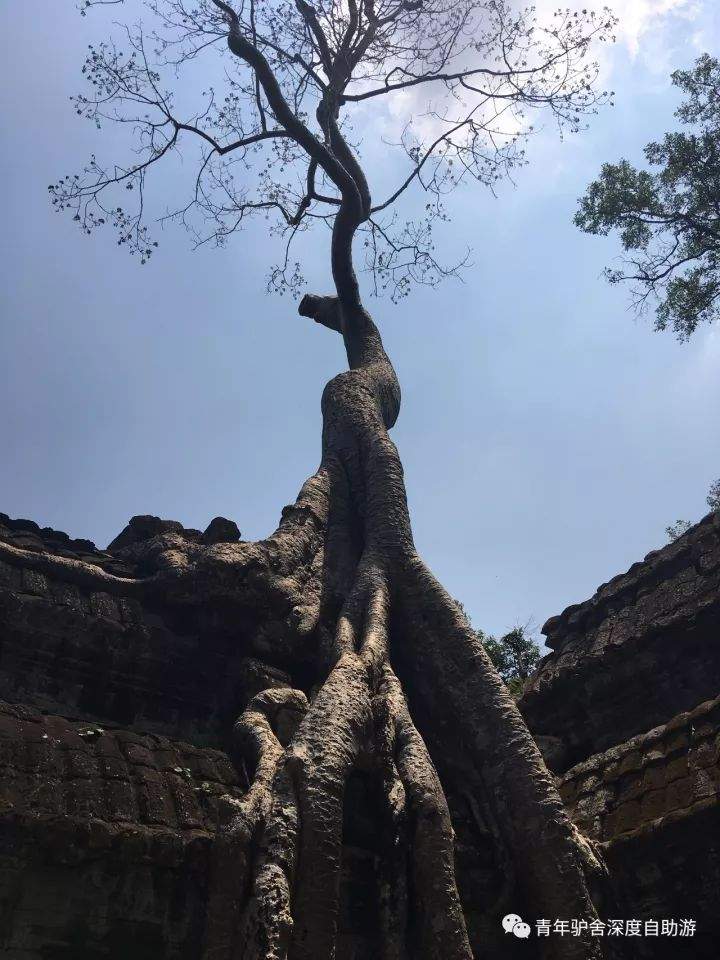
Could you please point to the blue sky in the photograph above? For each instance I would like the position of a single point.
(548, 435)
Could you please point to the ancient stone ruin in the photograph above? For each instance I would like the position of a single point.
(117, 761)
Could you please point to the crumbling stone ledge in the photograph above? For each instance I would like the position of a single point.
(669, 771)
(696, 550)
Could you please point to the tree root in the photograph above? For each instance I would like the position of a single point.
(295, 805)
(341, 561)
(361, 709)
(438, 929)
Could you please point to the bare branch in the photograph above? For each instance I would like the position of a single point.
(277, 141)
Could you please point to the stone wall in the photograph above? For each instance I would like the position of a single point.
(641, 650)
(654, 803)
(105, 839)
(54, 767)
(670, 772)
(116, 720)
(76, 651)
(626, 710)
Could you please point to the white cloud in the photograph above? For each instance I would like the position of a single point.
(654, 33)
(653, 37)
(645, 19)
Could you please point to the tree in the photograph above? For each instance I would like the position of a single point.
(669, 218)
(680, 527)
(677, 529)
(514, 656)
(382, 656)
(713, 497)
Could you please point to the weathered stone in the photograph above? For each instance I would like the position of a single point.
(622, 819)
(652, 805)
(124, 802)
(20, 524)
(143, 528)
(221, 530)
(642, 653)
(658, 621)
(705, 754)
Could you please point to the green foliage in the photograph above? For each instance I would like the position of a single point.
(713, 497)
(514, 656)
(680, 527)
(677, 529)
(668, 217)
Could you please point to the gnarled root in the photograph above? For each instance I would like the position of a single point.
(263, 730)
(437, 925)
(450, 676)
(360, 712)
(295, 806)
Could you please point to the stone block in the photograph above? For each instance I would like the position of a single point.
(652, 805)
(153, 798)
(113, 768)
(121, 802)
(655, 777)
(680, 794)
(703, 729)
(80, 764)
(678, 740)
(630, 787)
(631, 761)
(704, 784)
(167, 759)
(187, 807)
(622, 819)
(44, 797)
(676, 768)
(704, 754)
(221, 530)
(201, 767)
(84, 798)
(139, 755)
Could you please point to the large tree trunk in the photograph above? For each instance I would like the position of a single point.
(391, 683)
(399, 679)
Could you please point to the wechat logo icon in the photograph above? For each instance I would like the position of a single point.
(512, 923)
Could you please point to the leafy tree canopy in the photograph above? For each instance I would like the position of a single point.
(669, 216)
(514, 656)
